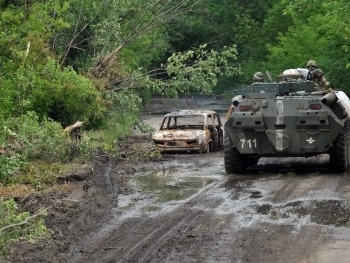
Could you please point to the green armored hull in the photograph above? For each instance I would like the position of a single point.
(284, 120)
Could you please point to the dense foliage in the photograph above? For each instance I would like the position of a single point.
(62, 59)
(25, 138)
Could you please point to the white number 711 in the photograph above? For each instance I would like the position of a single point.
(248, 143)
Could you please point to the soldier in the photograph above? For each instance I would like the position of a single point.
(316, 74)
(318, 78)
(258, 77)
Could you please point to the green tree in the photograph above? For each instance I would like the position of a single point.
(30, 78)
(64, 96)
(289, 53)
(224, 23)
(318, 30)
(184, 72)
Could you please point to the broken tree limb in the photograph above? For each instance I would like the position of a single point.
(25, 221)
(74, 126)
(73, 130)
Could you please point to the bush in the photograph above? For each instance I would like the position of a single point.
(24, 138)
(30, 138)
(10, 165)
(14, 225)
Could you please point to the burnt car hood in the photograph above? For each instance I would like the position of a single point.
(178, 134)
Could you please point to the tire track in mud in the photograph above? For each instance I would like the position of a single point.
(151, 239)
(101, 199)
(147, 249)
(178, 221)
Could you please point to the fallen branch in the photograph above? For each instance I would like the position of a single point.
(73, 131)
(25, 221)
(72, 127)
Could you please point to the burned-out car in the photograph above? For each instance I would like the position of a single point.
(190, 130)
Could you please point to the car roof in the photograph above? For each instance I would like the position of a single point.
(190, 112)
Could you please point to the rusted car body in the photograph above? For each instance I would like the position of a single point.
(190, 131)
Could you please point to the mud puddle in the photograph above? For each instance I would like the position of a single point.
(166, 189)
(283, 196)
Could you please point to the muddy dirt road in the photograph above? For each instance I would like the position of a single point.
(186, 209)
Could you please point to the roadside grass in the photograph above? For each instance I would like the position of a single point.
(35, 155)
(34, 174)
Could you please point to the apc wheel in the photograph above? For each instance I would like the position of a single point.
(234, 162)
(339, 156)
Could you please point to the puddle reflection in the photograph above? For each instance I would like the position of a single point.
(169, 185)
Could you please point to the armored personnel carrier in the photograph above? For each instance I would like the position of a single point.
(287, 119)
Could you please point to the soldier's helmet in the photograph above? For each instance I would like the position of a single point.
(311, 63)
(258, 76)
